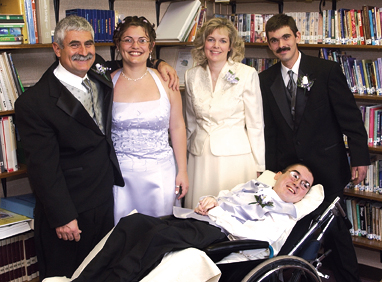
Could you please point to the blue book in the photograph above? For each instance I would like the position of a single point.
(29, 19)
(95, 24)
(103, 25)
(371, 27)
(343, 19)
(360, 65)
(23, 204)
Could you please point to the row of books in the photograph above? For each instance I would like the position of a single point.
(18, 260)
(10, 83)
(373, 180)
(363, 76)
(366, 218)
(35, 26)
(11, 29)
(251, 27)
(102, 21)
(353, 26)
(372, 118)
(343, 26)
(260, 64)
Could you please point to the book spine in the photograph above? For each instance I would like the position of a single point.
(349, 215)
(17, 78)
(43, 21)
(34, 16)
(29, 19)
(6, 102)
(372, 34)
(11, 39)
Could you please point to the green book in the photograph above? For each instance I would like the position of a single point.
(11, 17)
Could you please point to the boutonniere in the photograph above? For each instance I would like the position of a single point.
(304, 82)
(230, 77)
(260, 200)
(100, 69)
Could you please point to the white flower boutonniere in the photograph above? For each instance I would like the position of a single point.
(304, 82)
(230, 77)
(260, 200)
(100, 69)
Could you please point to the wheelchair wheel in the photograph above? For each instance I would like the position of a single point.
(283, 269)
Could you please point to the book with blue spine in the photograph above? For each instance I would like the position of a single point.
(29, 19)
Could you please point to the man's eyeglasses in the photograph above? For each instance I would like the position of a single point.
(295, 176)
(130, 41)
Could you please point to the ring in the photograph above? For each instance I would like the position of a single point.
(177, 186)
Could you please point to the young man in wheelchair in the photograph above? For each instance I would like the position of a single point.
(249, 211)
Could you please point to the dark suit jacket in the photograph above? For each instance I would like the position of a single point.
(72, 166)
(328, 111)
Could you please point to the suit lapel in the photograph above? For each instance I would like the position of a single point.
(68, 103)
(278, 92)
(303, 94)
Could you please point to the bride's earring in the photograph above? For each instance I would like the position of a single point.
(150, 58)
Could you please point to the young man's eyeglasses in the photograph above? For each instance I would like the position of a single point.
(296, 176)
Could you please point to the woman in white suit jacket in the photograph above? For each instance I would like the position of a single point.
(225, 127)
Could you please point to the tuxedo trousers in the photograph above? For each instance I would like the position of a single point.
(57, 257)
(139, 242)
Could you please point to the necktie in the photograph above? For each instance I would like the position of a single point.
(291, 87)
(93, 110)
(291, 83)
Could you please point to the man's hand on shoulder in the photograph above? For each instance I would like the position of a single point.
(206, 205)
(69, 231)
(168, 73)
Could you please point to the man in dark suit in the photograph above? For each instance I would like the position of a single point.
(307, 109)
(65, 125)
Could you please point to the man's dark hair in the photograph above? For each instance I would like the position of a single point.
(292, 165)
(278, 21)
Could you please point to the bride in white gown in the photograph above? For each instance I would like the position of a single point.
(145, 109)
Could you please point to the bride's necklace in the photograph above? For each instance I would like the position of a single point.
(136, 79)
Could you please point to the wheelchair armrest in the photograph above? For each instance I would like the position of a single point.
(219, 250)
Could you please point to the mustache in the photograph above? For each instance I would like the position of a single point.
(282, 49)
(78, 57)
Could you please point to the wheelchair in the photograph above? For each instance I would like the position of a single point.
(299, 264)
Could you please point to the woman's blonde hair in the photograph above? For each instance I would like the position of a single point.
(236, 52)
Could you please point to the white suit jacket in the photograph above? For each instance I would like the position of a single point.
(232, 115)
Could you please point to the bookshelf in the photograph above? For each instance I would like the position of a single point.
(22, 167)
(362, 241)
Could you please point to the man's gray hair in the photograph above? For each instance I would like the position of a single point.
(69, 23)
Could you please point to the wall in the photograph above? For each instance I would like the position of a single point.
(41, 59)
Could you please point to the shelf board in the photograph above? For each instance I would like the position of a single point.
(21, 170)
(7, 113)
(368, 98)
(363, 194)
(366, 243)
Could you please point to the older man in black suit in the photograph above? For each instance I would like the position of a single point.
(307, 109)
(65, 125)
